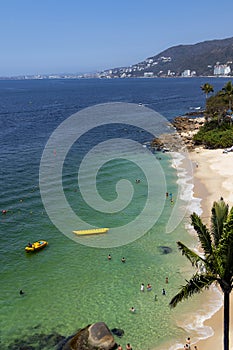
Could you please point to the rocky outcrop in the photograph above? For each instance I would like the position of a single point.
(182, 138)
(93, 337)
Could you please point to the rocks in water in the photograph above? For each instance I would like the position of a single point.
(92, 337)
(118, 332)
(36, 342)
(100, 336)
(182, 137)
(165, 250)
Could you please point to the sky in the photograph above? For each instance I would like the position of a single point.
(82, 36)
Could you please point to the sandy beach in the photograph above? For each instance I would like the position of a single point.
(213, 171)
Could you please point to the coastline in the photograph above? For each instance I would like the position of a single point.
(212, 170)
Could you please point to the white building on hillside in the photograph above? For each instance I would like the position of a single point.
(186, 73)
(222, 69)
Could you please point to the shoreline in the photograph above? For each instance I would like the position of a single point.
(212, 170)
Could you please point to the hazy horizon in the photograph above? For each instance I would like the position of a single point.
(57, 37)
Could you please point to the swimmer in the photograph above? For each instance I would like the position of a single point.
(155, 299)
(166, 280)
(128, 346)
(123, 260)
(149, 287)
(163, 291)
(132, 309)
(119, 347)
(21, 292)
(109, 257)
(142, 287)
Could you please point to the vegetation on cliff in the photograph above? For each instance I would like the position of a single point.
(217, 131)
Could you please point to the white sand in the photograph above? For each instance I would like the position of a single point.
(213, 178)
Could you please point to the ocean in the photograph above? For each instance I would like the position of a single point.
(75, 154)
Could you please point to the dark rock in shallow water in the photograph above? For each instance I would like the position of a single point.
(165, 250)
(36, 342)
(92, 337)
(118, 332)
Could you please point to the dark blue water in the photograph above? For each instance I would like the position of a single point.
(69, 285)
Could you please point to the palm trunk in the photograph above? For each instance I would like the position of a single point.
(226, 320)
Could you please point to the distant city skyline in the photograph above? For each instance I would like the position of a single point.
(58, 36)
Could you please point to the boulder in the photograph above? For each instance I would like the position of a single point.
(118, 332)
(101, 336)
(93, 337)
(165, 249)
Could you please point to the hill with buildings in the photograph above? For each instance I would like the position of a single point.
(206, 58)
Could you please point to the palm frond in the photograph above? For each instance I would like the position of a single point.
(190, 255)
(203, 234)
(195, 285)
(225, 249)
(218, 217)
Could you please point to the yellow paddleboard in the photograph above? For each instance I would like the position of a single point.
(94, 231)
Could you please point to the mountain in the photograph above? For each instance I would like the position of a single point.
(187, 60)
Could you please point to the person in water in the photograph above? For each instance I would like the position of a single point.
(149, 287)
(109, 257)
(142, 287)
(123, 260)
(29, 245)
(21, 292)
(132, 309)
(128, 347)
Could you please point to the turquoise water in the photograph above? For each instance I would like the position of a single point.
(69, 285)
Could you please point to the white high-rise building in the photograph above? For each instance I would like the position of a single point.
(222, 69)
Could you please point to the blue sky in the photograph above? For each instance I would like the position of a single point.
(57, 36)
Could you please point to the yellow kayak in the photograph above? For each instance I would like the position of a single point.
(38, 245)
(94, 231)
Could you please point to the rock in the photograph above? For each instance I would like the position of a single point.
(165, 250)
(157, 143)
(118, 332)
(100, 336)
(93, 337)
(36, 341)
(182, 139)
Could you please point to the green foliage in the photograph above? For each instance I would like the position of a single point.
(207, 89)
(215, 138)
(216, 260)
(216, 104)
(217, 132)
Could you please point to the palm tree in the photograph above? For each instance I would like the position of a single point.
(216, 260)
(227, 91)
(207, 89)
